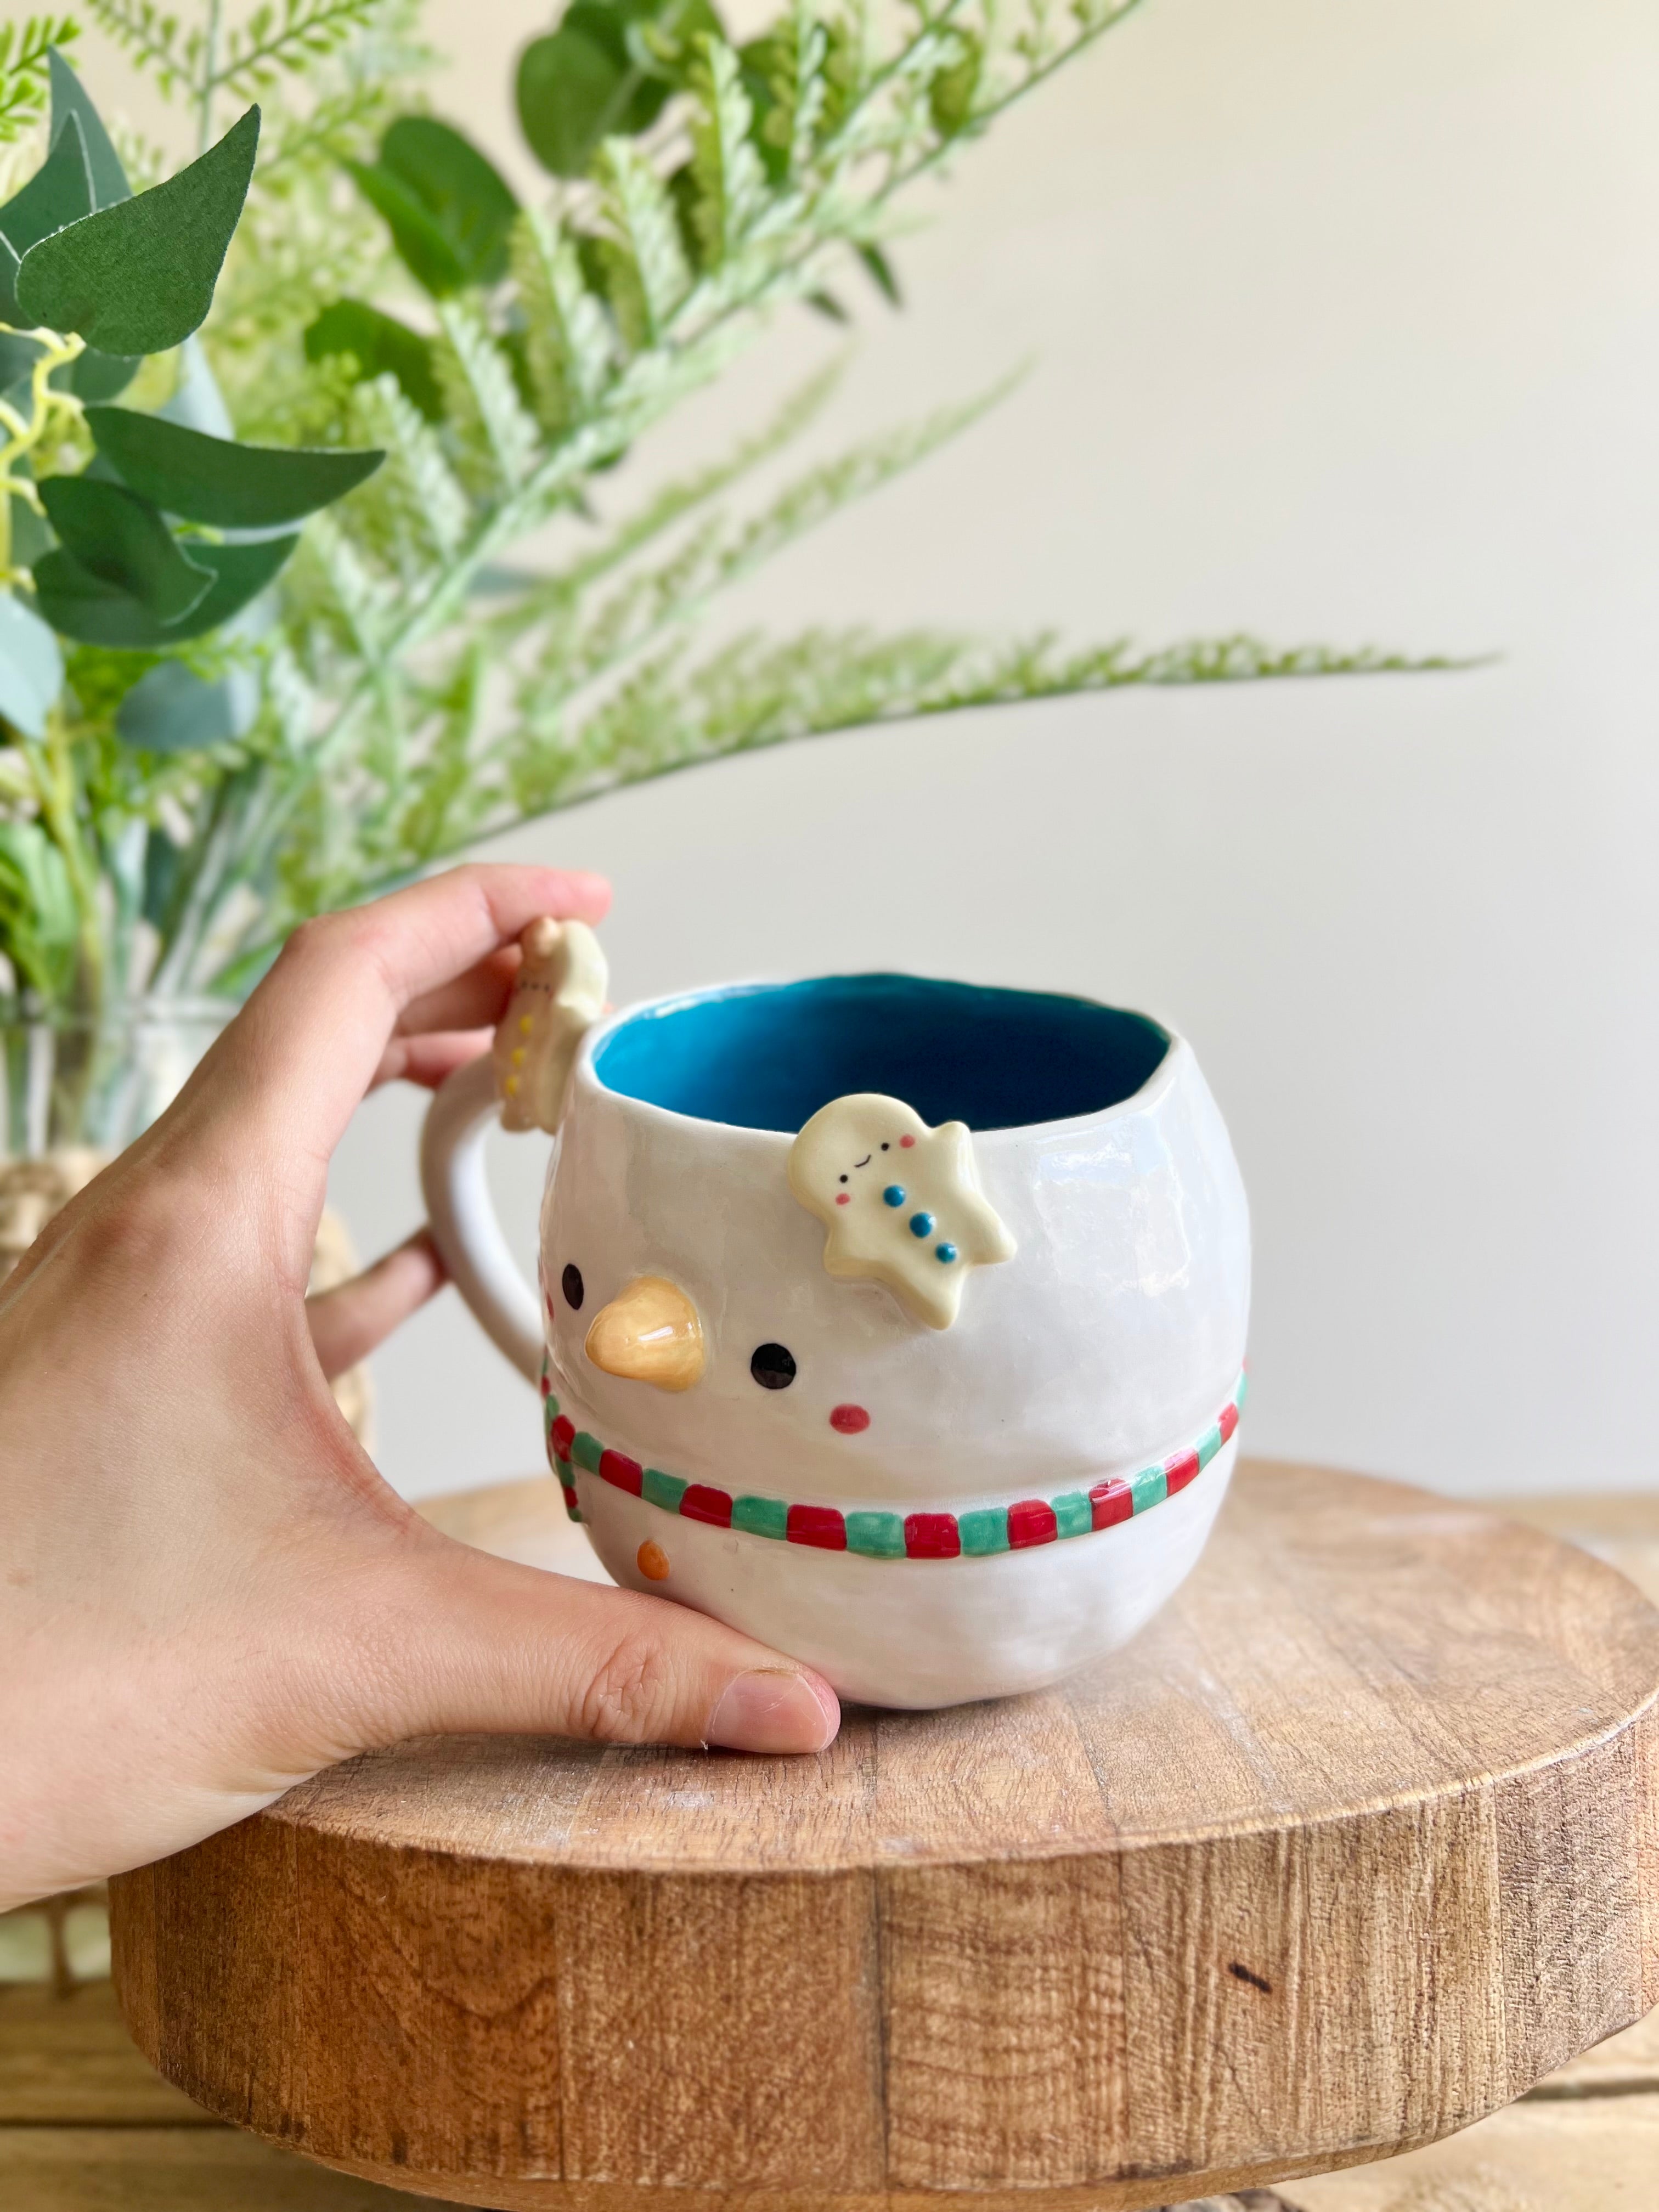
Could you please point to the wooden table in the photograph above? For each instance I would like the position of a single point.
(84, 2125)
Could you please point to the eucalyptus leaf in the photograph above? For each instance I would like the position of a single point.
(139, 278)
(31, 668)
(172, 709)
(94, 376)
(381, 344)
(120, 539)
(80, 604)
(58, 193)
(422, 245)
(460, 188)
(579, 84)
(70, 98)
(216, 481)
(241, 573)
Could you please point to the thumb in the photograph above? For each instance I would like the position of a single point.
(456, 1642)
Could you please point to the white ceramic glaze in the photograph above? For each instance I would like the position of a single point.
(1104, 1346)
(922, 1633)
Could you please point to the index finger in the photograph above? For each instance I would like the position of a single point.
(295, 1064)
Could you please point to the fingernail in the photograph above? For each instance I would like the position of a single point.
(773, 1708)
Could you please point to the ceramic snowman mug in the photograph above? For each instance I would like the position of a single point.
(898, 1322)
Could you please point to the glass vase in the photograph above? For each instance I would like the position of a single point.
(94, 1086)
(73, 1094)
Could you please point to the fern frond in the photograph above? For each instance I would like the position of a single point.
(496, 438)
(288, 38)
(355, 604)
(719, 554)
(674, 503)
(569, 348)
(413, 512)
(292, 700)
(727, 180)
(609, 323)
(23, 79)
(808, 91)
(339, 126)
(440, 817)
(647, 274)
(757, 692)
(152, 39)
(824, 491)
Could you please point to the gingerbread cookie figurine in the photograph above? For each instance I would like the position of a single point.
(902, 1201)
(557, 998)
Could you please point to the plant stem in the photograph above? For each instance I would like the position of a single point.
(208, 81)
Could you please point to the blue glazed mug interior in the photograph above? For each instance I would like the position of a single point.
(768, 1055)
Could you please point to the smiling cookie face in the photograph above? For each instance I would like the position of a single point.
(902, 1201)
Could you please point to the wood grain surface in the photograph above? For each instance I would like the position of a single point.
(86, 2125)
(1346, 1851)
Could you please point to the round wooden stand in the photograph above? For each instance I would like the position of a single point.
(1356, 1841)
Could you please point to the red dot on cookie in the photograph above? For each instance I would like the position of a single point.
(850, 1421)
(907, 1142)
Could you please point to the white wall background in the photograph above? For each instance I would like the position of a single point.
(1346, 327)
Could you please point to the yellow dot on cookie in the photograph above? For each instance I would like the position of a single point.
(518, 1056)
(653, 1562)
(511, 1086)
(524, 1025)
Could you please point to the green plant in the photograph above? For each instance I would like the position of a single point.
(131, 533)
(406, 686)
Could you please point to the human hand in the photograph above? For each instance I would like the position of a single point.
(207, 1591)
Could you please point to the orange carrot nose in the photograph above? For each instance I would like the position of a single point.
(651, 1334)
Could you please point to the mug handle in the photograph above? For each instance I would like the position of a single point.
(462, 1217)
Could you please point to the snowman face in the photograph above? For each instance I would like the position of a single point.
(709, 1339)
(702, 1321)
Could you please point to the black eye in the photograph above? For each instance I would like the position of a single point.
(571, 1283)
(843, 1178)
(773, 1366)
(887, 1148)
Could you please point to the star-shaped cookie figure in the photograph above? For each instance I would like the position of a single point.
(557, 996)
(902, 1201)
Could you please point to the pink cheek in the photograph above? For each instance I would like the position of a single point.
(907, 1142)
(843, 1199)
(850, 1421)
